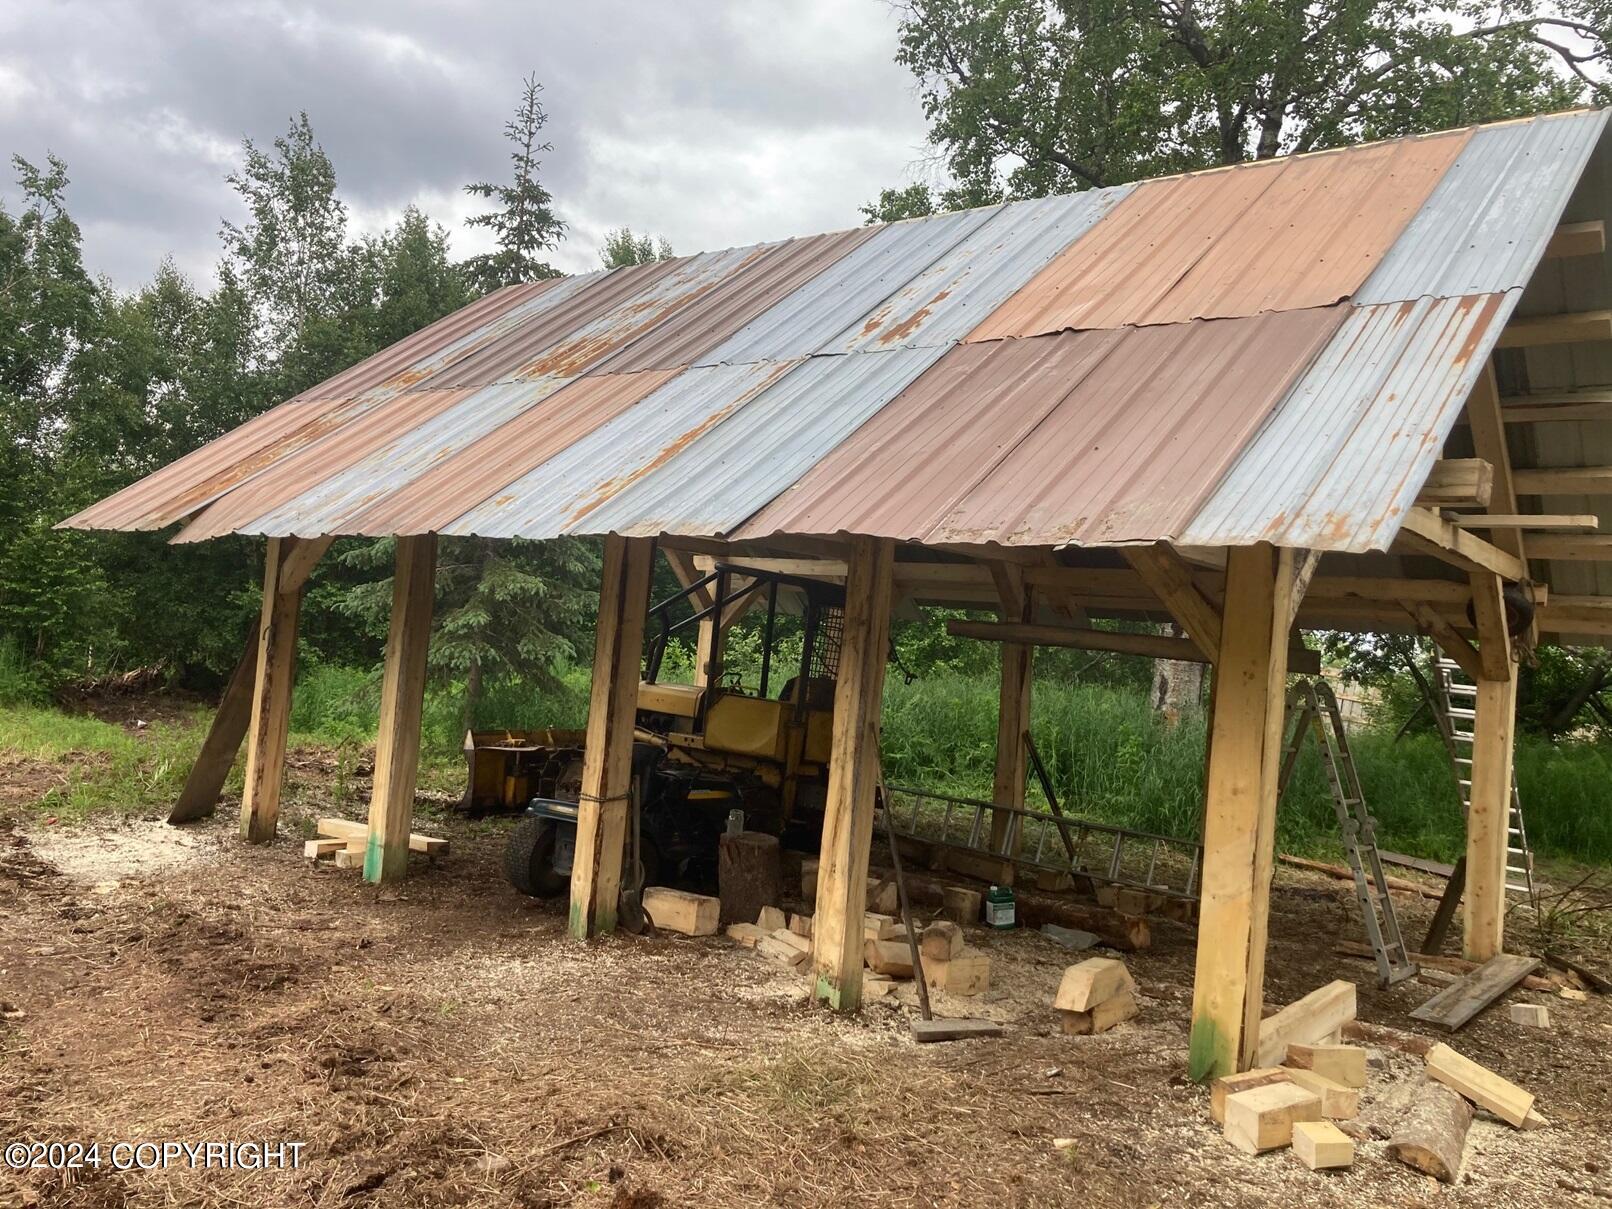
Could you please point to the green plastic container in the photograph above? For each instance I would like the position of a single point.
(1000, 908)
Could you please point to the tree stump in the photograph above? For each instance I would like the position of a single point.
(749, 873)
(1432, 1135)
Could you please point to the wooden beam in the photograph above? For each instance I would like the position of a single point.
(1240, 811)
(1488, 820)
(1564, 480)
(1577, 239)
(1151, 646)
(1494, 638)
(299, 563)
(1457, 483)
(1482, 413)
(1577, 327)
(1581, 522)
(1431, 534)
(1450, 642)
(205, 781)
(1013, 706)
(397, 736)
(271, 699)
(853, 778)
(1588, 403)
(603, 805)
(1169, 578)
(1572, 548)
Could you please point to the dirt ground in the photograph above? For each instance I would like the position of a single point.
(444, 1043)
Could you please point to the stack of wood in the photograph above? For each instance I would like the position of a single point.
(1094, 996)
(342, 842)
(949, 964)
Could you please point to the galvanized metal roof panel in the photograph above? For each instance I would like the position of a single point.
(1282, 234)
(1351, 444)
(1485, 227)
(457, 482)
(807, 320)
(729, 472)
(546, 501)
(968, 282)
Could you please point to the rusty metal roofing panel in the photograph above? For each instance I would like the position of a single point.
(1131, 452)
(609, 459)
(804, 322)
(1278, 235)
(318, 460)
(733, 469)
(1485, 227)
(458, 482)
(941, 304)
(750, 290)
(1350, 446)
(909, 465)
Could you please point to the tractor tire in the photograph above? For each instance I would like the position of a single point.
(529, 859)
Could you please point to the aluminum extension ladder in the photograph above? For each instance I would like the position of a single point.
(1312, 706)
(1457, 701)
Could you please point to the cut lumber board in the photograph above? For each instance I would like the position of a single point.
(943, 940)
(1311, 1019)
(774, 949)
(1262, 1118)
(1437, 961)
(769, 919)
(1230, 1085)
(1116, 1009)
(1533, 1015)
(1091, 982)
(1431, 1137)
(679, 911)
(1338, 1103)
(1479, 1084)
(794, 940)
(969, 973)
(1344, 1063)
(317, 850)
(962, 905)
(1463, 999)
(1321, 1144)
(889, 957)
(748, 935)
(954, 1030)
(1595, 981)
(349, 858)
(1344, 874)
(800, 925)
(348, 829)
(1436, 868)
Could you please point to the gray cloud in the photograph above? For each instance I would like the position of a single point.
(711, 123)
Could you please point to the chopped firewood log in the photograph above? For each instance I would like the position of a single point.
(1431, 1137)
(1534, 1015)
(889, 957)
(961, 905)
(943, 940)
(770, 919)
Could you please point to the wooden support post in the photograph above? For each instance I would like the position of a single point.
(607, 757)
(271, 698)
(1013, 709)
(853, 776)
(397, 740)
(1488, 820)
(199, 797)
(1240, 809)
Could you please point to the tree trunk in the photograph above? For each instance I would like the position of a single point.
(1432, 1135)
(472, 695)
(1177, 691)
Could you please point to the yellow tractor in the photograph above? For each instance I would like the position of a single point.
(700, 753)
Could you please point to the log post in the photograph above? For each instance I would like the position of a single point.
(1013, 710)
(1240, 808)
(397, 739)
(607, 756)
(270, 720)
(853, 776)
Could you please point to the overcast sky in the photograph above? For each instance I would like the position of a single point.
(711, 122)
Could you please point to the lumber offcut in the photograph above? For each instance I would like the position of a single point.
(1431, 1137)
(1090, 982)
(962, 905)
(1262, 1118)
(1116, 1009)
(889, 957)
(1321, 1144)
(1344, 1063)
(1230, 1085)
(1462, 1000)
(1338, 1103)
(1312, 1019)
(749, 873)
(1479, 1084)
(1437, 961)
(943, 940)
(968, 973)
(679, 911)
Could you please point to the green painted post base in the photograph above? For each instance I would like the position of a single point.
(839, 998)
(381, 865)
(1208, 1054)
(604, 921)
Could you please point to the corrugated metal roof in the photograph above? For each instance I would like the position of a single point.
(1278, 235)
(1485, 227)
(1194, 359)
(1366, 421)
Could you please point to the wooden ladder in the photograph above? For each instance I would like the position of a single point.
(1313, 707)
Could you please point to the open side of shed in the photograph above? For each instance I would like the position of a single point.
(1279, 397)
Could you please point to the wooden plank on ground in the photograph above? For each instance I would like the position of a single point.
(1314, 1018)
(350, 830)
(1479, 1084)
(1436, 868)
(1437, 961)
(954, 1030)
(1459, 1002)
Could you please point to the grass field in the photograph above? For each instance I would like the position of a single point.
(1109, 757)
